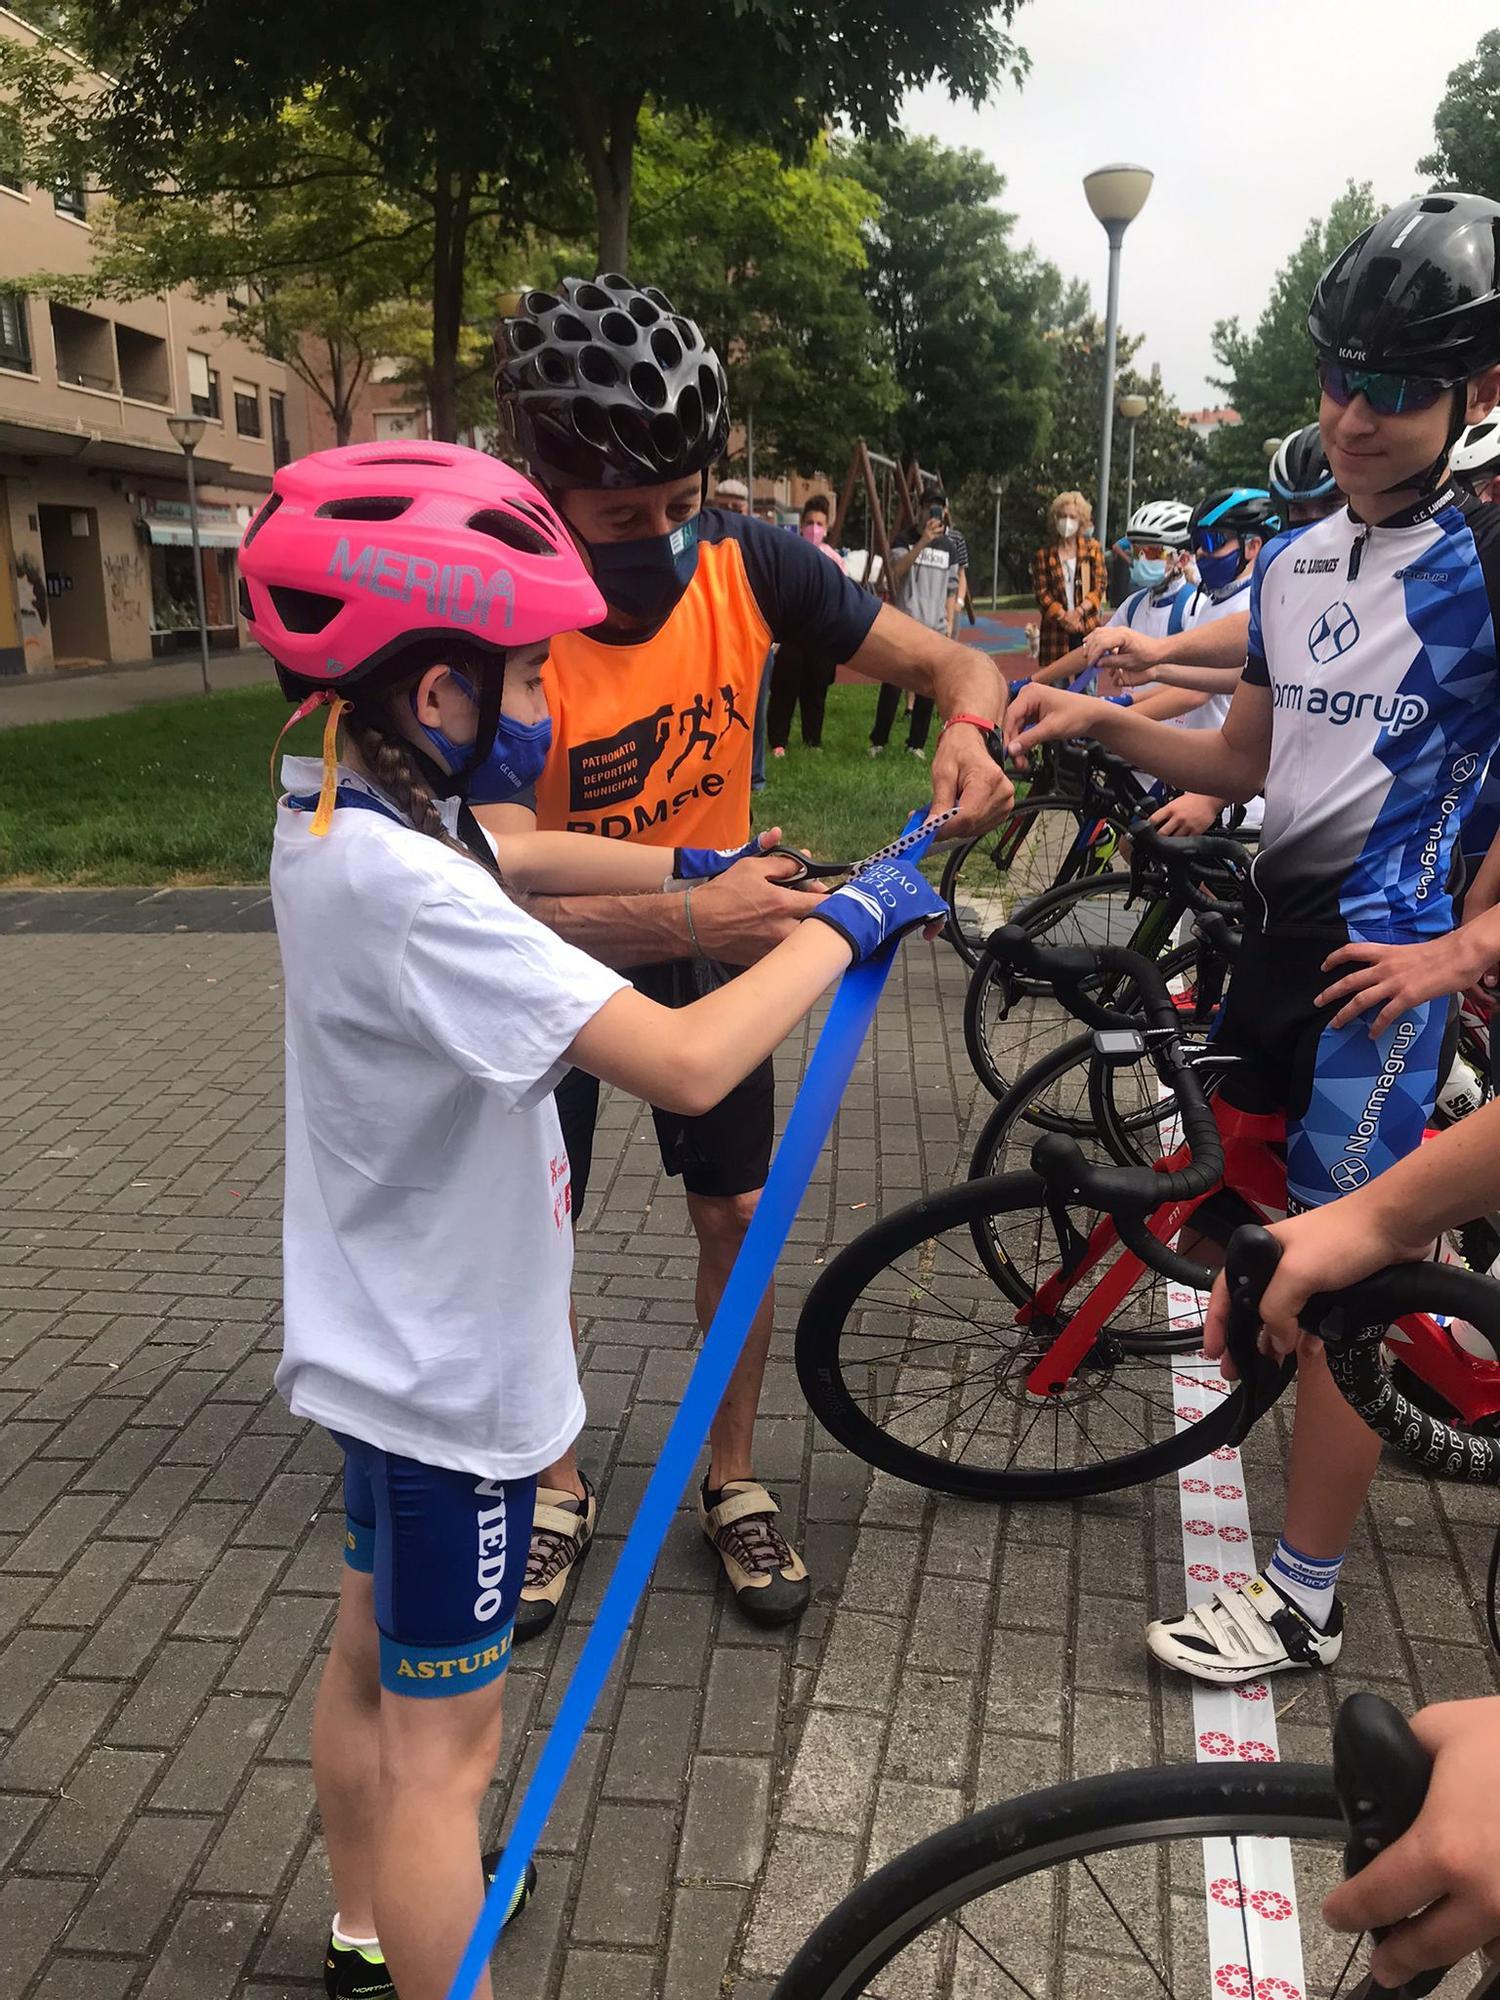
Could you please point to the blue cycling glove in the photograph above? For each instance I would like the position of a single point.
(1120, 700)
(697, 864)
(880, 904)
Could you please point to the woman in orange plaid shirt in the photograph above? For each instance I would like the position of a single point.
(1068, 577)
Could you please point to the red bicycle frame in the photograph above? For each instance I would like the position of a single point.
(1254, 1169)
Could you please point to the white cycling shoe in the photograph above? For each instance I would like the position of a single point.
(1241, 1635)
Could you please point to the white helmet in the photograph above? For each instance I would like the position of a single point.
(1164, 521)
(1478, 449)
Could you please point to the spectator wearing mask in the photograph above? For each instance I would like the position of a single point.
(801, 672)
(924, 580)
(1068, 577)
(733, 495)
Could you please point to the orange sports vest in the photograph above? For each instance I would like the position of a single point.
(653, 742)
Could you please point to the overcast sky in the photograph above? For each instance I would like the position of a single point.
(1252, 117)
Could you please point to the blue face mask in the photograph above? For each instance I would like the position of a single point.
(1146, 575)
(1215, 571)
(645, 578)
(514, 761)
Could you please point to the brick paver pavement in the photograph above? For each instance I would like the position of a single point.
(170, 1538)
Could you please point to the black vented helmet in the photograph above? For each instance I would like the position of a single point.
(1300, 472)
(1417, 293)
(602, 383)
(1235, 510)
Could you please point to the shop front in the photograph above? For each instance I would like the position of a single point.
(168, 528)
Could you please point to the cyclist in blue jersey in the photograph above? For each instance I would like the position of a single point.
(1368, 711)
(1226, 531)
(1159, 591)
(1304, 490)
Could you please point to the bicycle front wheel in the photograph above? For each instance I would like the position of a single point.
(1009, 1021)
(988, 878)
(1102, 1887)
(914, 1358)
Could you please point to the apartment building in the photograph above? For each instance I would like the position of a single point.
(95, 535)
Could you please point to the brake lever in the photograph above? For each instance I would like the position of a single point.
(1381, 1774)
(1250, 1261)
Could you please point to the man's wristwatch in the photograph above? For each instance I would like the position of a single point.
(994, 742)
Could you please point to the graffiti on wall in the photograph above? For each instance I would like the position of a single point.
(124, 579)
(32, 603)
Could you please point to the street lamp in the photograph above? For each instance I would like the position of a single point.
(1132, 409)
(1270, 446)
(1116, 194)
(188, 431)
(997, 487)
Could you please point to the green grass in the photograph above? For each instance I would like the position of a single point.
(839, 802)
(179, 792)
(175, 793)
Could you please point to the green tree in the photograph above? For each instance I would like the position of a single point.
(1268, 372)
(1168, 459)
(959, 305)
(322, 212)
(1466, 125)
(496, 110)
(768, 257)
(327, 271)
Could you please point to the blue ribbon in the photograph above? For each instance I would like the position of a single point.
(808, 1125)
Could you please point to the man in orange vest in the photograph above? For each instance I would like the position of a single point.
(619, 409)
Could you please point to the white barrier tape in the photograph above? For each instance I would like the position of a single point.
(1254, 1941)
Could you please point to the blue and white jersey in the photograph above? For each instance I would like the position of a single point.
(1206, 608)
(1157, 611)
(1379, 647)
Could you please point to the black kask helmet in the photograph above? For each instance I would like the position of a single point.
(603, 384)
(1416, 293)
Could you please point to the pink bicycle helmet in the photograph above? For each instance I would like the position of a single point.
(364, 550)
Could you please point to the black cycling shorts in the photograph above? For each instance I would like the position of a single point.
(1353, 1106)
(725, 1151)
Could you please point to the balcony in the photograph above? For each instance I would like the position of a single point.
(143, 366)
(85, 348)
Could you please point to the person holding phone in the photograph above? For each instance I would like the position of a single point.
(925, 571)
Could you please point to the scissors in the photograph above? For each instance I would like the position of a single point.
(818, 871)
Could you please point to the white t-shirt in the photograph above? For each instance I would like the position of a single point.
(427, 1240)
(1070, 579)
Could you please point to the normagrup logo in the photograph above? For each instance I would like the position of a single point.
(449, 590)
(1395, 713)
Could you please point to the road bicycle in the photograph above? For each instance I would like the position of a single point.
(1142, 1885)
(1008, 1013)
(1029, 1335)
(1066, 828)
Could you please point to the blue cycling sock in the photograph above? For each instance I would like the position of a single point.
(1308, 1581)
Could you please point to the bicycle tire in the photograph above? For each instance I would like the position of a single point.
(1078, 1822)
(994, 992)
(1040, 1100)
(832, 1365)
(984, 914)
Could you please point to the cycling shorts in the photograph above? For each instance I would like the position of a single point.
(448, 1554)
(1353, 1106)
(725, 1151)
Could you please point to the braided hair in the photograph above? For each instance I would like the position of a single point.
(391, 760)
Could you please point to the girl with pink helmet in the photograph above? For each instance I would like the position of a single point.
(411, 589)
